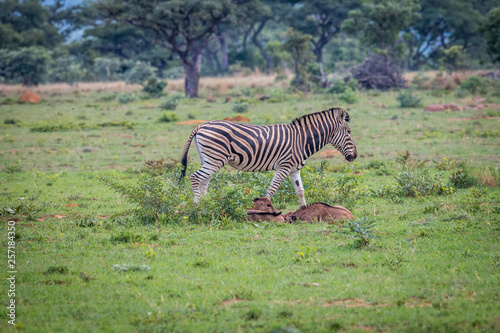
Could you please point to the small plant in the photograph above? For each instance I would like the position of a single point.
(130, 268)
(363, 230)
(407, 99)
(460, 178)
(125, 237)
(349, 96)
(418, 182)
(126, 98)
(306, 254)
(57, 270)
(202, 262)
(154, 87)
(170, 102)
(396, 259)
(13, 168)
(240, 107)
(168, 117)
(445, 164)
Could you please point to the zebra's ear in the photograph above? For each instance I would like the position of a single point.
(342, 114)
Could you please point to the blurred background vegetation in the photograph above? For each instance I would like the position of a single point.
(319, 41)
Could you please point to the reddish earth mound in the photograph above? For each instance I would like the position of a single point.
(328, 153)
(30, 97)
(237, 118)
(191, 122)
(443, 107)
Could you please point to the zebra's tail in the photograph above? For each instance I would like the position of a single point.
(184, 156)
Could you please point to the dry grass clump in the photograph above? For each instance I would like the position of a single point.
(210, 86)
(63, 88)
(220, 86)
(439, 80)
(486, 178)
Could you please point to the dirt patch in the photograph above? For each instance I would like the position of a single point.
(231, 301)
(328, 153)
(443, 107)
(191, 122)
(473, 118)
(30, 97)
(483, 106)
(352, 303)
(237, 118)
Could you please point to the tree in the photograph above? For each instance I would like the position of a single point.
(322, 19)
(380, 22)
(440, 25)
(28, 65)
(297, 44)
(490, 29)
(184, 26)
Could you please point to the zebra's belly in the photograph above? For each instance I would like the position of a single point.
(242, 164)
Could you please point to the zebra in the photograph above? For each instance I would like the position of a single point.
(283, 148)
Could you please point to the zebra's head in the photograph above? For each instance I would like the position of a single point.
(341, 136)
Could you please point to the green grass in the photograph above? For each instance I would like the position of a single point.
(87, 262)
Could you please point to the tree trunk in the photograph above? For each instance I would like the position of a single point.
(261, 48)
(192, 70)
(223, 52)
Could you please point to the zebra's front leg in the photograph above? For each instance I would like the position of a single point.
(299, 188)
(278, 178)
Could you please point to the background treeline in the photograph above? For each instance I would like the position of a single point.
(42, 41)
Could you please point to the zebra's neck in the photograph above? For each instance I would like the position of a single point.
(315, 135)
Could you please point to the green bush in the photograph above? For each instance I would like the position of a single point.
(362, 228)
(126, 98)
(171, 102)
(418, 182)
(141, 72)
(349, 96)
(340, 86)
(154, 87)
(168, 117)
(461, 178)
(407, 99)
(240, 107)
(476, 85)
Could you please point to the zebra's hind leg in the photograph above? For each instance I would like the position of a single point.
(278, 178)
(299, 188)
(204, 186)
(199, 182)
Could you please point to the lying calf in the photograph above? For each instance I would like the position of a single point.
(263, 210)
(319, 211)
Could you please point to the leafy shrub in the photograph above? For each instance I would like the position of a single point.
(476, 85)
(13, 168)
(407, 99)
(240, 107)
(349, 96)
(171, 102)
(126, 237)
(362, 228)
(418, 182)
(156, 197)
(380, 167)
(340, 86)
(126, 98)
(461, 178)
(154, 87)
(168, 117)
(140, 72)
(130, 268)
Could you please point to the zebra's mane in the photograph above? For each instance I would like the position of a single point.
(296, 121)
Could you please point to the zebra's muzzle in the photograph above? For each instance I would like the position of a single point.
(352, 156)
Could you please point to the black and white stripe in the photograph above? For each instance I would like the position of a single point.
(283, 148)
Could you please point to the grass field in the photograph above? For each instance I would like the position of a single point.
(87, 260)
